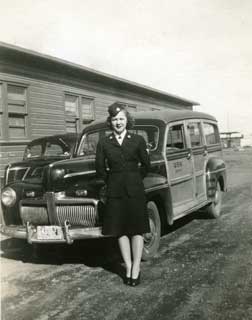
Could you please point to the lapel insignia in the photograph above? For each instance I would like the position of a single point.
(113, 140)
(128, 136)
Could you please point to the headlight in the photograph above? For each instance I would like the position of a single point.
(9, 197)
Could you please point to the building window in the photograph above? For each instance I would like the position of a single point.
(79, 111)
(17, 111)
(87, 109)
(13, 111)
(72, 115)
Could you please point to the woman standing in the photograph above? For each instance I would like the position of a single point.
(126, 212)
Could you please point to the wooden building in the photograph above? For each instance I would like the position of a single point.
(41, 95)
(231, 139)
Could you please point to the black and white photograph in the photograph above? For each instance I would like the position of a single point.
(125, 160)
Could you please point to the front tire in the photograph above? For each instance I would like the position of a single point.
(214, 209)
(152, 239)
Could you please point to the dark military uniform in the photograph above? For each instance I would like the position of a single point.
(126, 212)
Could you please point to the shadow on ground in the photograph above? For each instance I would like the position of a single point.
(92, 253)
(88, 252)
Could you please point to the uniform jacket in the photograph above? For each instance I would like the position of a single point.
(122, 167)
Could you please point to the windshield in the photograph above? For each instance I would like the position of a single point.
(47, 149)
(90, 139)
(34, 151)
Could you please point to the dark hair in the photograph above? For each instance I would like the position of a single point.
(130, 120)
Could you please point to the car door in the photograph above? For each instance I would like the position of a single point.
(199, 157)
(179, 168)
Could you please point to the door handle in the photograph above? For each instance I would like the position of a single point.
(205, 153)
(189, 156)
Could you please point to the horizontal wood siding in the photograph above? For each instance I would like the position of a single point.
(10, 154)
(46, 109)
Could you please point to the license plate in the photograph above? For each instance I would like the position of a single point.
(49, 233)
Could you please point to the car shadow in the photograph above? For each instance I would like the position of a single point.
(92, 253)
(183, 221)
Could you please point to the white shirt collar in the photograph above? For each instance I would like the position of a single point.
(122, 135)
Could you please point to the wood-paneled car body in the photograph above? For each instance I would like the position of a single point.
(187, 173)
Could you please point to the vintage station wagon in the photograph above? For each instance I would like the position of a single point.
(187, 173)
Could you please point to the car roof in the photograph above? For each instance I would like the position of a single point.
(166, 116)
(67, 137)
(172, 115)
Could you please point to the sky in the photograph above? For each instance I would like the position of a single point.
(200, 50)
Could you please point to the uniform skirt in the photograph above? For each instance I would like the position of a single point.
(126, 216)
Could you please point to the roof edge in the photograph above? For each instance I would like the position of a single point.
(93, 71)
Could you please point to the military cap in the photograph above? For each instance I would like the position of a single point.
(115, 108)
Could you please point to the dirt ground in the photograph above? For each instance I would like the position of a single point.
(203, 269)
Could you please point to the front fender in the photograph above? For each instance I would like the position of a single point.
(11, 215)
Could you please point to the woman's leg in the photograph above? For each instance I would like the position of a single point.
(137, 250)
(124, 244)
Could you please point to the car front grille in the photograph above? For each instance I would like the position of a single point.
(84, 215)
(15, 173)
(35, 215)
(77, 215)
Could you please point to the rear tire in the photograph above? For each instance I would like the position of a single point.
(152, 239)
(214, 209)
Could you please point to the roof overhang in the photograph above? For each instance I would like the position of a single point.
(38, 60)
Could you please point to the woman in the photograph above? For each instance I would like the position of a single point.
(126, 211)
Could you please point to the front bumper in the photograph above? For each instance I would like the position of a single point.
(68, 234)
(56, 220)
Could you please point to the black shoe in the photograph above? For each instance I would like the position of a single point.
(135, 282)
(127, 281)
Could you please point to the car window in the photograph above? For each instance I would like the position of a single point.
(195, 134)
(175, 138)
(211, 133)
(90, 140)
(150, 135)
(33, 151)
(53, 150)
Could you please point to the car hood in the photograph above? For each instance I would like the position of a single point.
(34, 162)
(70, 175)
(27, 169)
(75, 167)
